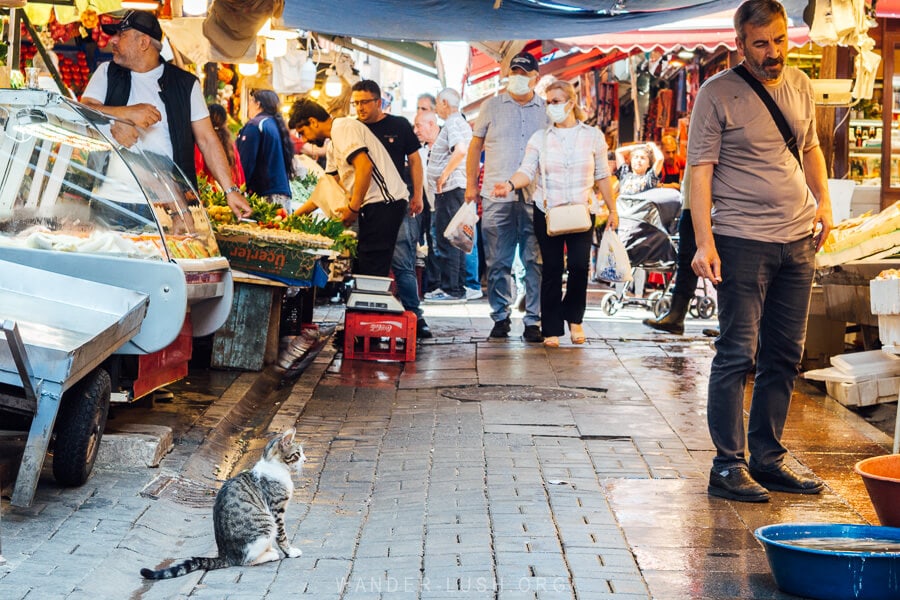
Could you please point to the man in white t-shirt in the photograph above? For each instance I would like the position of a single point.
(159, 107)
(378, 195)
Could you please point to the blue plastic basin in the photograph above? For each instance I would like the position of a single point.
(830, 574)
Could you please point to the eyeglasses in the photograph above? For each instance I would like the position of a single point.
(361, 102)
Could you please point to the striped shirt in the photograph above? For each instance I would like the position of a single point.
(349, 137)
(456, 133)
(572, 160)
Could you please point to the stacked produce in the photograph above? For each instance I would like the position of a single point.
(272, 223)
(855, 231)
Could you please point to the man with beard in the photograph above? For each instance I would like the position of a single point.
(760, 211)
(158, 107)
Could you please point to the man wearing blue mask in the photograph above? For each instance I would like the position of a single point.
(504, 125)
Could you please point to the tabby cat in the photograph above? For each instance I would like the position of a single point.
(248, 514)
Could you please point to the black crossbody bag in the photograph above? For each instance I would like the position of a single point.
(777, 116)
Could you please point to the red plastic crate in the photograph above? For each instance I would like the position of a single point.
(380, 336)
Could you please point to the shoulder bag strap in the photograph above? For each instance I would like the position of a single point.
(541, 166)
(776, 113)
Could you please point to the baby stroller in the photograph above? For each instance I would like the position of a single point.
(647, 222)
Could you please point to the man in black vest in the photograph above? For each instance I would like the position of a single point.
(160, 107)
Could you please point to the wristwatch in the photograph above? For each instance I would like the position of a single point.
(234, 188)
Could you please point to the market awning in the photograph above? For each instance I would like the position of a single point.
(419, 57)
(479, 20)
(667, 40)
(708, 32)
(888, 8)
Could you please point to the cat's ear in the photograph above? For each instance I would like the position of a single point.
(287, 438)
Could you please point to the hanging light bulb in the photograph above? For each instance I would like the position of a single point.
(333, 84)
(193, 8)
(276, 47)
(247, 69)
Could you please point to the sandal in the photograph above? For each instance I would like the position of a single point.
(576, 331)
(551, 342)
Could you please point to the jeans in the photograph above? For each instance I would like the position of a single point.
(503, 225)
(404, 264)
(559, 253)
(432, 278)
(378, 226)
(763, 301)
(685, 278)
(453, 260)
(473, 278)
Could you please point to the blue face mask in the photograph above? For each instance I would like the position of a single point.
(518, 85)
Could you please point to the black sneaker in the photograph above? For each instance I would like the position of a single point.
(423, 332)
(501, 328)
(784, 479)
(736, 484)
(532, 334)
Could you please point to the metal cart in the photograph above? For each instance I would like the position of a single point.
(58, 331)
(123, 268)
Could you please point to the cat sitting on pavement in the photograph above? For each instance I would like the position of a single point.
(248, 514)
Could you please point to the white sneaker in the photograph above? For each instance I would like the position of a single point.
(474, 294)
(446, 299)
(435, 294)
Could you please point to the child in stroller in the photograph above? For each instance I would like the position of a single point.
(647, 222)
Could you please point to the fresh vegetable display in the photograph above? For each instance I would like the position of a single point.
(269, 216)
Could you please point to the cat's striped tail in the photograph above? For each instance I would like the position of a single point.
(197, 563)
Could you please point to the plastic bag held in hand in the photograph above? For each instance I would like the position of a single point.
(461, 229)
(612, 259)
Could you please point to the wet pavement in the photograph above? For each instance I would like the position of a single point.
(486, 469)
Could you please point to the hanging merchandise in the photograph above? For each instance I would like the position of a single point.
(846, 23)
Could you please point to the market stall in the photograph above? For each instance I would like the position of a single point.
(74, 202)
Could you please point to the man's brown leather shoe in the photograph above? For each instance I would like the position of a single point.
(736, 484)
(784, 479)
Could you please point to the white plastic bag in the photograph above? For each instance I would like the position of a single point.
(329, 196)
(461, 229)
(612, 258)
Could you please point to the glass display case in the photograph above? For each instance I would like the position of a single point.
(68, 185)
(865, 139)
(75, 200)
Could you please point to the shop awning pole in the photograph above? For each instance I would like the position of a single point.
(51, 66)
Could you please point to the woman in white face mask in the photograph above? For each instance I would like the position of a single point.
(568, 161)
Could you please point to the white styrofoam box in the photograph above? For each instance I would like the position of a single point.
(889, 386)
(873, 363)
(884, 296)
(889, 329)
(857, 394)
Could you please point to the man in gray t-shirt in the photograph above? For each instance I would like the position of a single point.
(503, 128)
(759, 214)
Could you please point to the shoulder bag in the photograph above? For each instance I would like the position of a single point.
(565, 218)
(776, 113)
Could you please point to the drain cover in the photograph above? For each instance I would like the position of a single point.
(180, 490)
(521, 393)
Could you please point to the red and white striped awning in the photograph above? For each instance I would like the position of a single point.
(888, 8)
(665, 40)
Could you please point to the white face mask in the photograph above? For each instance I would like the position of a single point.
(518, 85)
(558, 112)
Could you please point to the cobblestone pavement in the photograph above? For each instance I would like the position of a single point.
(484, 470)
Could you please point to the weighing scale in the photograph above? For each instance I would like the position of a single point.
(373, 294)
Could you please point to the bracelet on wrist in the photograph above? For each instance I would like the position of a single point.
(512, 186)
(233, 188)
(351, 209)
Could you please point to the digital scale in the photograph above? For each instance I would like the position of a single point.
(373, 294)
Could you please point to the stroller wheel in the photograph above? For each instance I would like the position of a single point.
(694, 307)
(610, 304)
(706, 307)
(661, 306)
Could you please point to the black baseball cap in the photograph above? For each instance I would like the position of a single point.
(143, 21)
(524, 61)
